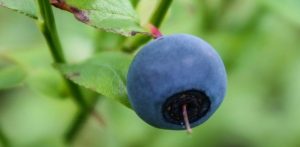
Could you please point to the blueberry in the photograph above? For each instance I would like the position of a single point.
(173, 75)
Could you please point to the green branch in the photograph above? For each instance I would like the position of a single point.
(47, 26)
(156, 19)
(79, 120)
(160, 12)
(46, 23)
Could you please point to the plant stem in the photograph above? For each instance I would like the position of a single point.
(77, 125)
(160, 12)
(156, 20)
(4, 139)
(79, 120)
(48, 28)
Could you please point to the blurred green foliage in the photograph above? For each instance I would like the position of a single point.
(258, 40)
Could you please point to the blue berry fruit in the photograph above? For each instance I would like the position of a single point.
(176, 81)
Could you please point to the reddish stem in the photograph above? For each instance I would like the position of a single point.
(79, 14)
(61, 4)
(155, 31)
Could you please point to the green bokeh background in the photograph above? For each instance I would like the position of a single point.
(259, 41)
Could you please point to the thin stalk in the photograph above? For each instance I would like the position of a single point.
(48, 28)
(160, 12)
(77, 125)
(80, 119)
(3, 139)
(156, 19)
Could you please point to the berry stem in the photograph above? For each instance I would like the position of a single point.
(159, 14)
(186, 119)
(156, 20)
(155, 31)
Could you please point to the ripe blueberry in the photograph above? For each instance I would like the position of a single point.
(176, 80)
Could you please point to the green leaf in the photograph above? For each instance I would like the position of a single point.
(116, 16)
(105, 73)
(11, 74)
(119, 61)
(26, 7)
(47, 82)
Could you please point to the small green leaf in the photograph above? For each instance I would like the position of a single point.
(26, 7)
(104, 73)
(116, 16)
(119, 61)
(11, 74)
